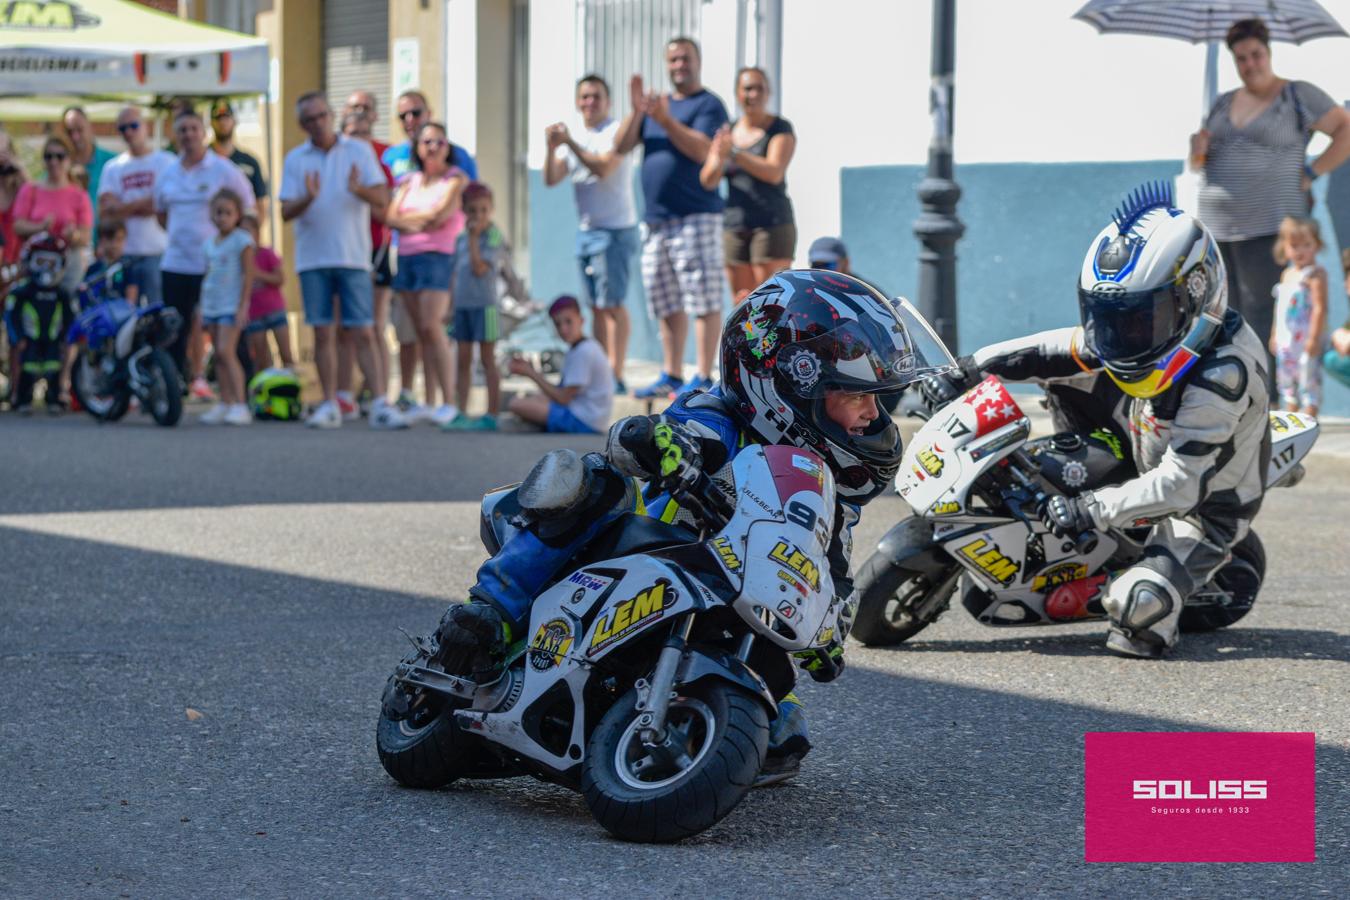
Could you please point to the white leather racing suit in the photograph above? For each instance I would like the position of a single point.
(1201, 448)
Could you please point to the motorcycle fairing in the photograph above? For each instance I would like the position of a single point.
(956, 445)
(1292, 435)
(1015, 570)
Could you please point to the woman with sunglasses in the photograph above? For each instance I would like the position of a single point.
(426, 214)
(58, 206)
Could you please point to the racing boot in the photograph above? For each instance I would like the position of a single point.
(1145, 612)
(788, 743)
(471, 641)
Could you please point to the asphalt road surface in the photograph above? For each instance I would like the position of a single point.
(259, 578)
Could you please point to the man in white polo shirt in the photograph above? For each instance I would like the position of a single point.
(127, 192)
(328, 186)
(183, 195)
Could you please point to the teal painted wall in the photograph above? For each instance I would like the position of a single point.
(1027, 226)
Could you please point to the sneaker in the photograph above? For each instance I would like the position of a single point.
(665, 386)
(215, 415)
(385, 416)
(460, 422)
(238, 414)
(697, 383)
(483, 423)
(200, 390)
(24, 409)
(444, 414)
(406, 402)
(347, 406)
(619, 387)
(325, 416)
(418, 412)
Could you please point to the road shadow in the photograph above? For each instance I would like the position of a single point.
(915, 786)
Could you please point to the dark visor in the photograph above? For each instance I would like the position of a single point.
(1132, 327)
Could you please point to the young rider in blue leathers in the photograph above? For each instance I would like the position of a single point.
(802, 360)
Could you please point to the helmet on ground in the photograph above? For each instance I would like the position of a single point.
(804, 333)
(1152, 292)
(44, 258)
(275, 394)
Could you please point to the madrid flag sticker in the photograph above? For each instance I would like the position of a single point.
(1200, 797)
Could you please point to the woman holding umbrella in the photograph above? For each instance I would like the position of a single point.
(1252, 153)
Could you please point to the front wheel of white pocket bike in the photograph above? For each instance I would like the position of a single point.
(717, 736)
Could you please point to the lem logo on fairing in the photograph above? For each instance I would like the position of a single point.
(1232, 789)
(790, 557)
(990, 560)
(624, 618)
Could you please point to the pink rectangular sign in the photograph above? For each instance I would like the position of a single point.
(1199, 796)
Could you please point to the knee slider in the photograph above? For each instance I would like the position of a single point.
(1137, 602)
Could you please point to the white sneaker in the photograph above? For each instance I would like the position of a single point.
(326, 416)
(347, 406)
(239, 415)
(385, 416)
(418, 412)
(444, 414)
(215, 415)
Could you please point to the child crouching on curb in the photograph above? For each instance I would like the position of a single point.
(583, 399)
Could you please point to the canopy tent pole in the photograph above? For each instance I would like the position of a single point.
(273, 236)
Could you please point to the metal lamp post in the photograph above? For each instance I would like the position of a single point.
(937, 227)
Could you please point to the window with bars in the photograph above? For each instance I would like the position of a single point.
(620, 38)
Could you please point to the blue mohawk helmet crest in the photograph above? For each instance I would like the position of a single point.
(1148, 196)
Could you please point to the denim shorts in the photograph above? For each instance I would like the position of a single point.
(143, 271)
(562, 421)
(226, 319)
(474, 325)
(269, 322)
(355, 293)
(606, 258)
(423, 272)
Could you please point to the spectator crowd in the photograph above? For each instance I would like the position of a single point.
(405, 235)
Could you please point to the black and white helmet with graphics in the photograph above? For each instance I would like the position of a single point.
(804, 333)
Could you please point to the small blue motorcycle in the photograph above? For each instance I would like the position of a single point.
(122, 355)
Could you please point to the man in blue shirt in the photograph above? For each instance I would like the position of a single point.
(413, 113)
(682, 263)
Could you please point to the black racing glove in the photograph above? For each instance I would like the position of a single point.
(643, 448)
(1067, 517)
(940, 389)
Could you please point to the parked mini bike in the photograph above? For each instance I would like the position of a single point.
(975, 483)
(122, 355)
(636, 684)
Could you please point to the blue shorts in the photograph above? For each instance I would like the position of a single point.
(606, 258)
(227, 319)
(424, 272)
(474, 325)
(143, 271)
(561, 421)
(355, 293)
(269, 322)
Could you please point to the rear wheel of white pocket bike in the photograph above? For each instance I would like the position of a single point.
(717, 735)
(1232, 591)
(424, 747)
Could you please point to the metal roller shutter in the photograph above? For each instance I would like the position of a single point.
(356, 55)
(622, 37)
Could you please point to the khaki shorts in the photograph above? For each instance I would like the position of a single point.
(758, 245)
(404, 327)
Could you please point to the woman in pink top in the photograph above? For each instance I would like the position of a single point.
(425, 211)
(58, 206)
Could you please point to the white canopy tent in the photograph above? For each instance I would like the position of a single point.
(117, 50)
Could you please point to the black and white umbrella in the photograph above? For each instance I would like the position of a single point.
(1198, 21)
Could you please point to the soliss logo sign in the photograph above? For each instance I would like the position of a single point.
(991, 561)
